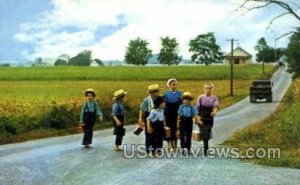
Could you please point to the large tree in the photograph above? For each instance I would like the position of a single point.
(290, 8)
(60, 62)
(293, 53)
(169, 52)
(137, 52)
(205, 49)
(262, 49)
(84, 58)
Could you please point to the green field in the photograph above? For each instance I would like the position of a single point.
(31, 98)
(220, 72)
(281, 130)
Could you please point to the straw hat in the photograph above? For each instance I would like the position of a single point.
(153, 87)
(119, 93)
(89, 91)
(187, 95)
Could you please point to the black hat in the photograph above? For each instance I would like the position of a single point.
(159, 100)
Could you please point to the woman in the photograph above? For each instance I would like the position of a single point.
(208, 106)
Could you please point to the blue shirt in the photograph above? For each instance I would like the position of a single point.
(187, 110)
(172, 97)
(156, 115)
(90, 108)
(118, 109)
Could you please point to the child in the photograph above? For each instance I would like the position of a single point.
(90, 110)
(172, 100)
(186, 113)
(155, 124)
(118, 114)
(208, 106)
(145, 110)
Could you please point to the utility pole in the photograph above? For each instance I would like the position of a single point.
(231, 66)
(275, 54)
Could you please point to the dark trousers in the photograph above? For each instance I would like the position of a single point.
(148, 137)
(158, 133)
(119, 130)
(205, 142)
(88, 133)
(186, 128)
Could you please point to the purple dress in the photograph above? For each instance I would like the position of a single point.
(205, 105)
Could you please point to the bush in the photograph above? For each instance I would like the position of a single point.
(59, 117)
(8, 127)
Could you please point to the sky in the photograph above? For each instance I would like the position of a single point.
(49, 28)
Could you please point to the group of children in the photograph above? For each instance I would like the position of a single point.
(173, 111)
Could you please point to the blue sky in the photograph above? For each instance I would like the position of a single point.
(12, 14)
(49, 28)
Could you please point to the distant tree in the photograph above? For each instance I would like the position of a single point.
(137, 52)
(265, 53)
(262, 48)
(205, 49)
(293, 53)
(84, 58)
(99, 62)
(60, 62)
(169, 52)
(5, 65)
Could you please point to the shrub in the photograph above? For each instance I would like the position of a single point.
(59, 117)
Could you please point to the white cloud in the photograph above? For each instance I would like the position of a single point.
(183, 19)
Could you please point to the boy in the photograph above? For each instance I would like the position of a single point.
(90, 110)
(156, 123)
(145, 109)
(186, 113)
(118, 114)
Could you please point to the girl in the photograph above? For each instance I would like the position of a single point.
(90, 110)
(118, 113)
(155, 124)
(208, 106)
(186, 113)
(173, 101)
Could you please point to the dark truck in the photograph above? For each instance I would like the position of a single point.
(261, 89)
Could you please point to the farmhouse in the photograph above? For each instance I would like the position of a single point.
(240, 56)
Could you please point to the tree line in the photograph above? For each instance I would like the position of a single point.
(204, 50)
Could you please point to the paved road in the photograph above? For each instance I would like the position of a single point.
(61, 160)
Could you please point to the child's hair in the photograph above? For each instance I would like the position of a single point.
(187, 98)
(209, 84)
(159, 100)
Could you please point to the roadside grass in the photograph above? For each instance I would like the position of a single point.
(281, 130)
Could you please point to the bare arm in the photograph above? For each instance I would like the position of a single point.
(141, 115)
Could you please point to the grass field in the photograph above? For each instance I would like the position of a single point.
(241, 72)
(281, 130)
(32, 97)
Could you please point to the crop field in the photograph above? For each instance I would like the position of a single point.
(42, 102)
